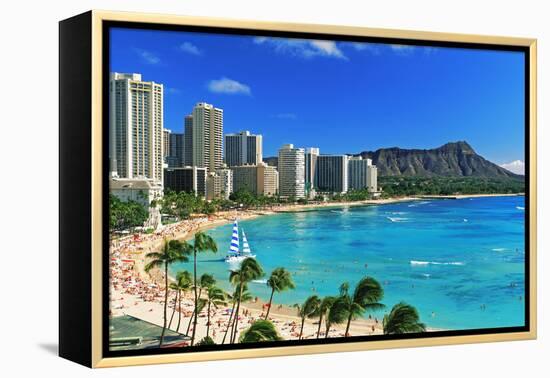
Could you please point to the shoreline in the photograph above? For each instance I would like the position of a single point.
(147, 306)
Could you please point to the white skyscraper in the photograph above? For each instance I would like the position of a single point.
(358, 169)
(291, 171)
(207, 136)
(135, 127)
(372, 178)
(242, 148)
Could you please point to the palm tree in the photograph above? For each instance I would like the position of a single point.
(182, 284)
(245, 297)
(201, 243)
(336, 315)
(207, 340)
(249, 270)
(307, 310)
(366, 296)
(206, 280)
(280, 280)
(323, 310)
(403, 318)
(172, 251)
(216, 297)
(260, 330)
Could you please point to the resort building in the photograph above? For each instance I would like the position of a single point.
(143, 191)
(176, 150)
(188, 141)
(166, 142)
(207, 136)
(135, 127)
(358, 172)
(372, 178)
(260, 179)
(186, 179)
(331, 174)
(219, 184)
(291, 166)
(243, 148)
(311, 156)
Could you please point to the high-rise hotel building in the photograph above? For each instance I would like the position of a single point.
(362, 174)
(358, 172)
(291, 167)
(243, 148)
(207, 136)
(219, 184)
(135, 127)
(310, 166)
(332, 173)
(259, 179)
(177, 150)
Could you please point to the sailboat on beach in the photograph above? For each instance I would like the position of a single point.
(235, 254)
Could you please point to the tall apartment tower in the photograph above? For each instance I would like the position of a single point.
(332, 173)
(311, 156)
(358, 169)
(188, 142)
(291, 167)
(135, 127)
(207, 136)
(243, 148)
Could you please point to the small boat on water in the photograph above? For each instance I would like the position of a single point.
(235, 254)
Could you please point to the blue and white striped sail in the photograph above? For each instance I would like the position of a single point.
(234, 247)
(246, 247)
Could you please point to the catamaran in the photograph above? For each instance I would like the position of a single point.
(235, 254)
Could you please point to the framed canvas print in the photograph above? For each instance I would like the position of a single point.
(236, 189)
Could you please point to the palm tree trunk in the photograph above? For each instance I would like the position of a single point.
(319, 327)
(208, 320)
(196, 295)
(327, 330)
(174, 310)
(302, 327)
(190, 321)
(229, 321)
(347, 326)
(270, 300)
(236, 324)
(179, 312)
(165, 302)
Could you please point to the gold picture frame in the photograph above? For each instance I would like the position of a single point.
(91, 27)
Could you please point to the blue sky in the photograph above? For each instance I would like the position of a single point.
(340, 96)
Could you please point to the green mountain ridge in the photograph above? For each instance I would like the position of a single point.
(453, 159)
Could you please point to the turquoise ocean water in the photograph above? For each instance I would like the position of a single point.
(460, 262)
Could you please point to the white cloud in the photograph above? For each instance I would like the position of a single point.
(228, 86)
(373, 48)
(147, 56)
(302, 48)
(402, 50)
(516, 166)
(190, 48)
